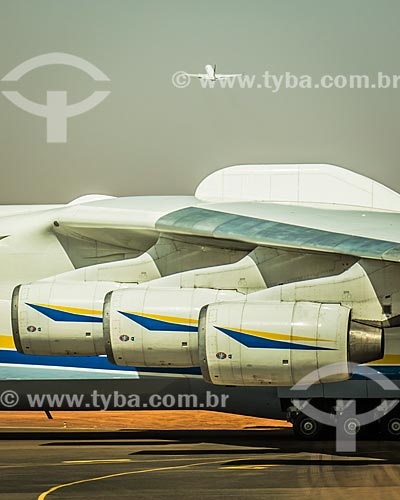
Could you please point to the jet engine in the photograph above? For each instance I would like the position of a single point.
(60, 318)
(279, 343)
(156, 326)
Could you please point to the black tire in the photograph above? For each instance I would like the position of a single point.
(307, 429)
(351, 426)
(390, 426)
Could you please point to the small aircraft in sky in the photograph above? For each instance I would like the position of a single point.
(211, 74)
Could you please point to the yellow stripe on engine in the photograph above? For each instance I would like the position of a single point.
(279, 336)
(6, 342)
(73, 310)
(169, 319)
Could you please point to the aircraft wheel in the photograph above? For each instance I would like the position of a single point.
(390, 426)
(351, 426)
(306, 428)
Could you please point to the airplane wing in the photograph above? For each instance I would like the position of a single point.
(197, 75)
(317, 208)
(307, 229)
(369, 234)
(221, 77)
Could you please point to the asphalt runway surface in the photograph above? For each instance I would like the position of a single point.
(254, 464)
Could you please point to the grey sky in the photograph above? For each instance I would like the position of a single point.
(149, 137)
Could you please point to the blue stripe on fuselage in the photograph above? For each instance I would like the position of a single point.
(95, 362)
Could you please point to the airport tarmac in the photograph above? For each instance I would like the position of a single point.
(87, 464)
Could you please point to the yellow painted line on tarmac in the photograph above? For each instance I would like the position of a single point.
(91, 462)
(43, 495)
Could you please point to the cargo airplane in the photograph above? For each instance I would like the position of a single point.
(267, 273)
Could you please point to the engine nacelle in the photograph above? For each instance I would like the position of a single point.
(152, 327)
(278, 343)
(60, 318)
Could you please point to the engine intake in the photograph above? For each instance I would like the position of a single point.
(59, 318)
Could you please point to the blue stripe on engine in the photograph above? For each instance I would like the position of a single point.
(158, 325)
(57, 315)
(253, 341)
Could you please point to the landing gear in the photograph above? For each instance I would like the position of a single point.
(353, 424)
(306, 428)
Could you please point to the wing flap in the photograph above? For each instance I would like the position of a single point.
(195, 221)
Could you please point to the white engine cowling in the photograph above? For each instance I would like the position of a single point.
(60, 318)
(278, 343)
(153, 327)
